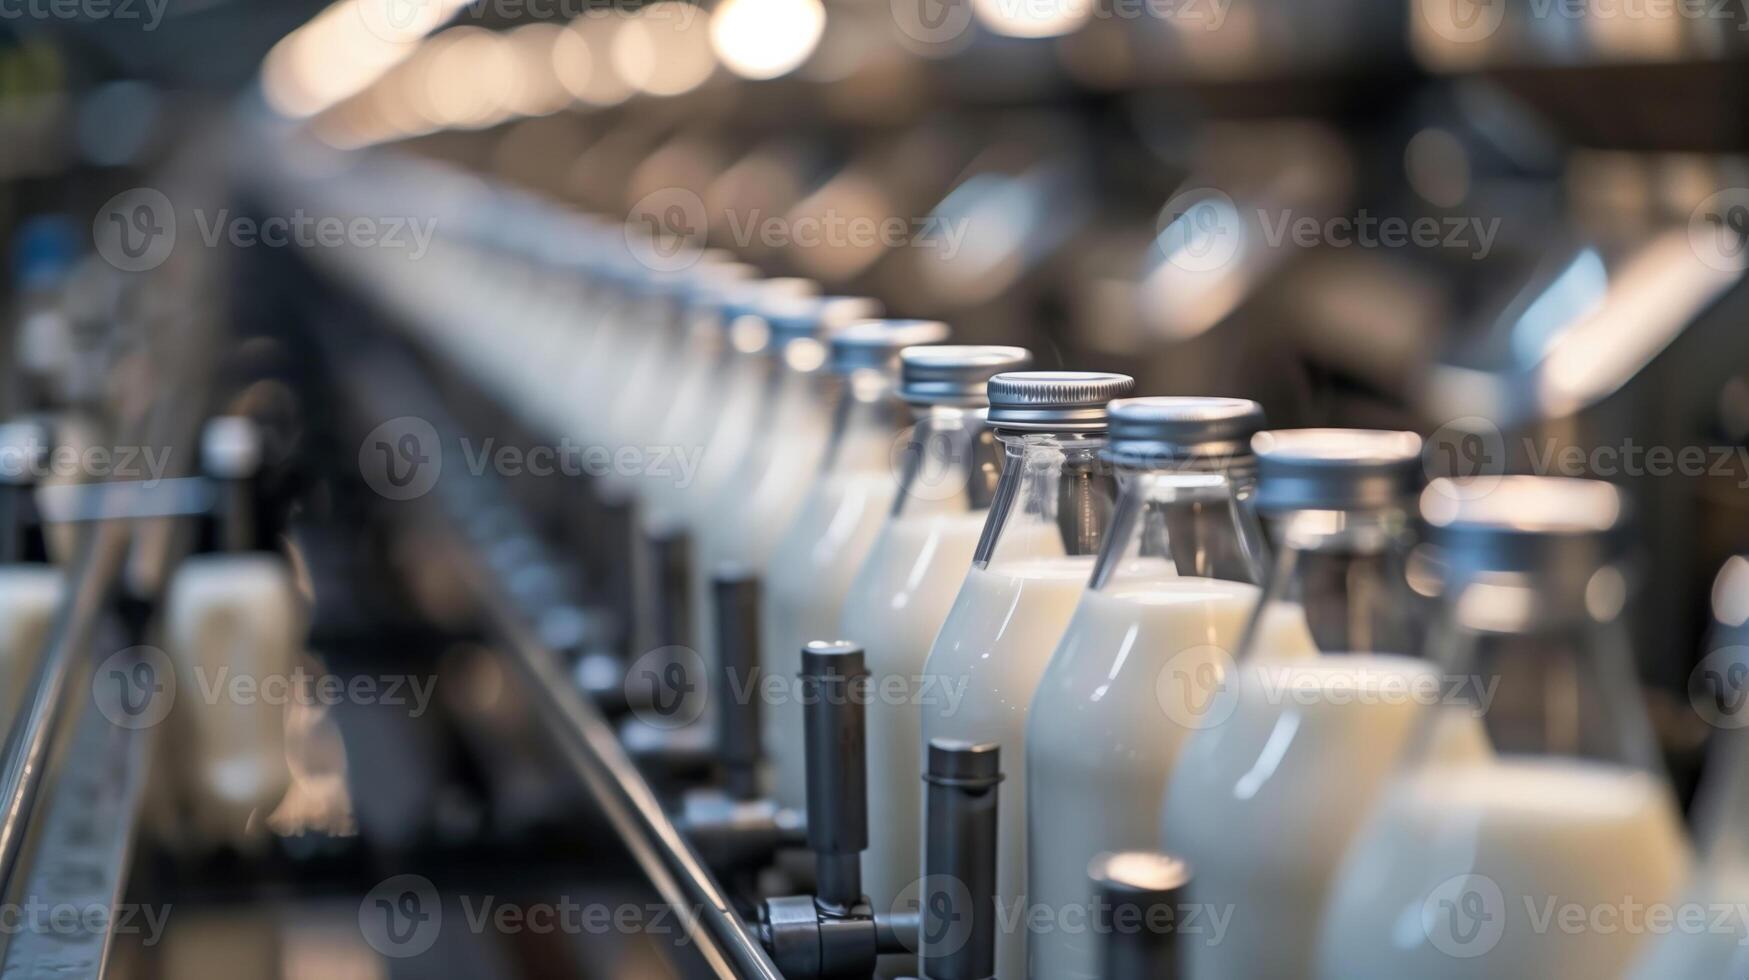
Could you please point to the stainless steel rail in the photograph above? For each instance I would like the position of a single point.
(81, 854)
(590, 745)
(69, 812)
(458, 509)
(103, 762)
(93, 578)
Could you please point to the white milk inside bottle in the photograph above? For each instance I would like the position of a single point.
(1049, 518)
(1286, 760)
(665, 378)
(695, 397)
(746, 375)
(811, 568)
(1529, 862)
(902, 593)
(1170, 597)
(1538, 838)
(754, 505)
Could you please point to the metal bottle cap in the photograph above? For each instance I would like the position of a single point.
(743, 307)
(875, 344)
(752, 297)
(230, 447)
(1335, 469)
(1054, 401)
(955, 374)
(1526, 524)
(714, 282)
(816, 317)
(1157, 431)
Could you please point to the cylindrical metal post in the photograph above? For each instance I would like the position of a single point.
(959, 860)
(669, 552)
(736, 596)
(230, 453)
(833, 695)
(1135, 896)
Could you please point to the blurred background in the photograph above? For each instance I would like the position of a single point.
(1517, 226)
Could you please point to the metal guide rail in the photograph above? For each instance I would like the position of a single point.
(74, 777)
(480, 529)
(74, 769)
(81, 858)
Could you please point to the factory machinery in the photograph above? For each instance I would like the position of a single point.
(366, 613)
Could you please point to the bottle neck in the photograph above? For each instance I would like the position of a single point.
(950, 464)
(1181, 521)
(867, 414)
(1546, 681)
(234, 518)
(1055, 498)
(1345, 574)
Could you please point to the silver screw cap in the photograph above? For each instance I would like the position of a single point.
(955, 374)
(1526, 524)
(875, 344)
(1162, 431)
(816, 317)
(1054, 401)
(1335, 469)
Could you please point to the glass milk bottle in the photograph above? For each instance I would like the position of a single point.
(787, 441)
(644, 323)
(643, 377)
(1291, 749)
(611, 323)
(693, 397)
(651, 373)
(811, 569)
(901, 595)
(1531, 861)
(1169, 598)
(1721, 809)
(1049, 518)
(745, 373)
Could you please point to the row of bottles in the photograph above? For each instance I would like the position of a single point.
(1380, 727)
